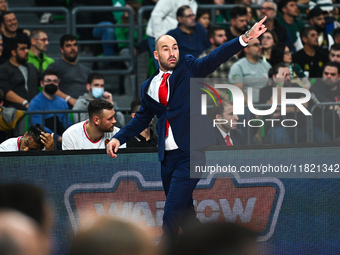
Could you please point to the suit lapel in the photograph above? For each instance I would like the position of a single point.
(145, 91)
(156, 106)
(171, 85)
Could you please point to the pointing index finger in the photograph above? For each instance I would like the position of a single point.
(262, 20)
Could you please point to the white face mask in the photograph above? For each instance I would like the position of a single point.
(97, 92)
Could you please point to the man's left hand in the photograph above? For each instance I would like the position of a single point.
(257, 29)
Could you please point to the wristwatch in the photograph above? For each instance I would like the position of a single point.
(246, 34)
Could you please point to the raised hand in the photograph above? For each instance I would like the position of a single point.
(257, 29)
(47, 140)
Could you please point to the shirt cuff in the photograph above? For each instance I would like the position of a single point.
(243, 43)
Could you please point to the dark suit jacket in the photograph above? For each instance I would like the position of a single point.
(236, 136)
(181, 110)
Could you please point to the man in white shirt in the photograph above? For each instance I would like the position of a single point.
(35, 139)
(95, 132)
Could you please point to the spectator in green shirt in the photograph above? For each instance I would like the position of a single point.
(36, 55)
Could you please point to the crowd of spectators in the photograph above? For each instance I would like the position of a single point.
(290, 53)
(308, 48)
(27, 227)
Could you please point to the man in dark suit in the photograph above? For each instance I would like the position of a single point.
(167, 94)
(227, 132)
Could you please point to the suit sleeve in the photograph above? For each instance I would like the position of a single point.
(204, 66)
(136, 125)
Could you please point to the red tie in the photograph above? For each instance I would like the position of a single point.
(163, 96)
(227, 139)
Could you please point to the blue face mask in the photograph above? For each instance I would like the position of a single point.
(97, 92)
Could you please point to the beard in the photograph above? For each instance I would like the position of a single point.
(20, 60)
(217, 44)
(330, 83)
(69, 58)
(165, 65)
(106, 129)
(320, 29)
(241, 30)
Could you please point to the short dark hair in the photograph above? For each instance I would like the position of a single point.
(275, 69)
(14, 43)
(93, 76)
(49, 72)
(97, 106)
(65, 38)
(335, 46)
(25, 198)
(238, 11)
(35, 131)
(282, 3)
(305, 31)
(332, 64)
(219, 109)
(2, 17)
(135, 104)
(181, 10)
(212, 30)
(35, 33)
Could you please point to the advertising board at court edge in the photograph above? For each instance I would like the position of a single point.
(254, 203)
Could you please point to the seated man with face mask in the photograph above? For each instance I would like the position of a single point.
(95, 86)
(48, 101)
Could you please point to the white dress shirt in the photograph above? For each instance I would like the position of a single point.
(224, 134)
(170, 143)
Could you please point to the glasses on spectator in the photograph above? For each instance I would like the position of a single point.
(267, 9)
(287, 52)
(43, 39)
(189, 16)
(51, 81)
